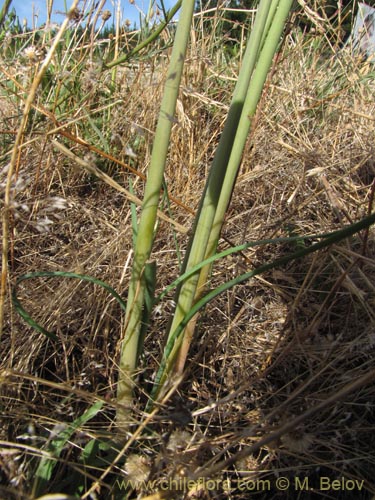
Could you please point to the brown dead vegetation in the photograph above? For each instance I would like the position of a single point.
(266, 351)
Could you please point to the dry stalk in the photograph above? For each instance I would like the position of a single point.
(14, 159)
(92, 169)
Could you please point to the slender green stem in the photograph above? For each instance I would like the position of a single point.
(257, 62)
(153, 36)
(137, 289)
(253, 95)
(4, 11)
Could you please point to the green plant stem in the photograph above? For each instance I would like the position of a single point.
(154, 35)
(4, 11)
(257, 60)
(327, 241)
(253, 95)
(222, 169)
(137, 288)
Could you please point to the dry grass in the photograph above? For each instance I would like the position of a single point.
(265, 352)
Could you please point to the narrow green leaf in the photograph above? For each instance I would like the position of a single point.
(327, 241)
(53, 274)
(133, 209)
(55, 446)
(150, 285)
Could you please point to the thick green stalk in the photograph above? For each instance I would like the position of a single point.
(253, 95)
(261, 46)
(137, 288)
(220, 163)
(254, 92)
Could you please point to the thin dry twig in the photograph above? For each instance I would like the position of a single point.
(13, 162)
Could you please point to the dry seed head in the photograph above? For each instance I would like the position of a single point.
(56, 203)
(31, 53)
(90, 158)
(129, 152)
(34, 54)
(91, 77)
(75, 15)
(178, 441)
(138, 469)
(248, 467)
(106, 14)
(6, 40)
(43, 224)
(299, 442)
(51, 27)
